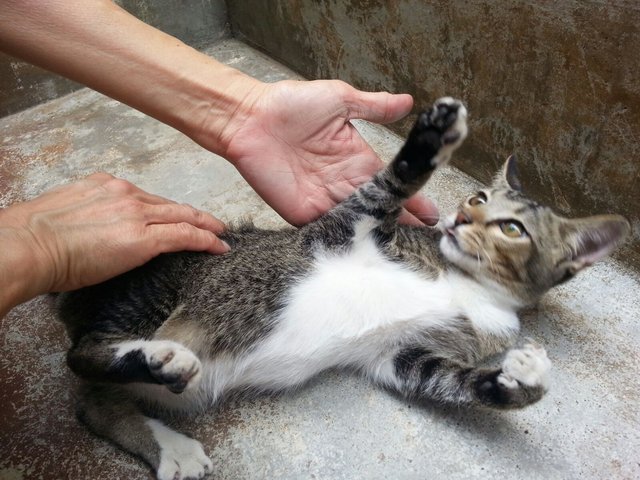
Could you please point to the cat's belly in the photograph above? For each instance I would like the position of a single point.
(353, 310)
(347, 310)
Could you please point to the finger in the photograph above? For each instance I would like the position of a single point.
(184, 236)
(152, 199)
(378, 107)
(123, 187)
(175, 213)
(407, 218)
(423, 209)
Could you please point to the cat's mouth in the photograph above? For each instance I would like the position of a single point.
(450, 234)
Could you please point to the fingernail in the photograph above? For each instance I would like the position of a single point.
(226, 246)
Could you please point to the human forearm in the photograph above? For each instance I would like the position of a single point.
(97, 43)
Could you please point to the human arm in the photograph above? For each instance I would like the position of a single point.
(89, 231)
(292, 141)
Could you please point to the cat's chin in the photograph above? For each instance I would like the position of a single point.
(451, 250)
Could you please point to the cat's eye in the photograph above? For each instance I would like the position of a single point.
(513, 229)
(479, 199)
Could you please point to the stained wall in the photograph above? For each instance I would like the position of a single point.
(557, 83)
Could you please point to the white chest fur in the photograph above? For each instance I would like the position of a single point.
(354, 306)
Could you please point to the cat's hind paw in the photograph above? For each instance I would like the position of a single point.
(173, 365)
(181, 457)
(528, 366)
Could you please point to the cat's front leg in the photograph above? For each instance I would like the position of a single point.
(521, 380)
(437, 133)
(376, 204)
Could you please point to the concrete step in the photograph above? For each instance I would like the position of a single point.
(338, 427)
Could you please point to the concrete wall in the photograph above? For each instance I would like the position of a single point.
(196, 22)
(557, 83)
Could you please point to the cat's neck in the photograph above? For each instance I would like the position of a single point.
(490, 306)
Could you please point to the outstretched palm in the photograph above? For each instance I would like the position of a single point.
(301, 154)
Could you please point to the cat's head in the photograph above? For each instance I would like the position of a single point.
(499, 235)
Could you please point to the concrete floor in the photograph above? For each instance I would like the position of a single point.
(338, 427)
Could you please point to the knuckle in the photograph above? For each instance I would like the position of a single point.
(345, 90)
(185, 229)
(119, 186)
(100, 177)
(341, 84)
(131, 206)
(192, 211)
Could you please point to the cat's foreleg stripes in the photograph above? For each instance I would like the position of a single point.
(433, 138)
(522, 379)
(377, 203)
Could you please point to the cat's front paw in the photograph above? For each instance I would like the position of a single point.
(522, 380)
(528, 366)
(174, 365)
(441, 129)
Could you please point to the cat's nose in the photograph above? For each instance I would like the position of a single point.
(462, 219)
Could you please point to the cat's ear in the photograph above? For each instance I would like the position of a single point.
(507, 177)
(589, 240)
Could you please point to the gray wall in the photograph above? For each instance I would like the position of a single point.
(557, 83)
(196, 22)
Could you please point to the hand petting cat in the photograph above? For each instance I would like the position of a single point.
(88, 231)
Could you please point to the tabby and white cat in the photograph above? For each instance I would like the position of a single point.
(415, 310)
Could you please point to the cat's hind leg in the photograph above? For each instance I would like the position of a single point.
(164, 362)
(110, 413)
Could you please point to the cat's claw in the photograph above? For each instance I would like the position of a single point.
(174, 366)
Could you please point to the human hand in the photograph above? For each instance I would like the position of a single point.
(88, 231)
(294, 144)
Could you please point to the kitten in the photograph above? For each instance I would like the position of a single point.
(414, 310)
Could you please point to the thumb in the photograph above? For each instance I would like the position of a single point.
(378, 107)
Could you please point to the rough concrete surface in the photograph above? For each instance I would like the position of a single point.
(338, 427)
(554, 82)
